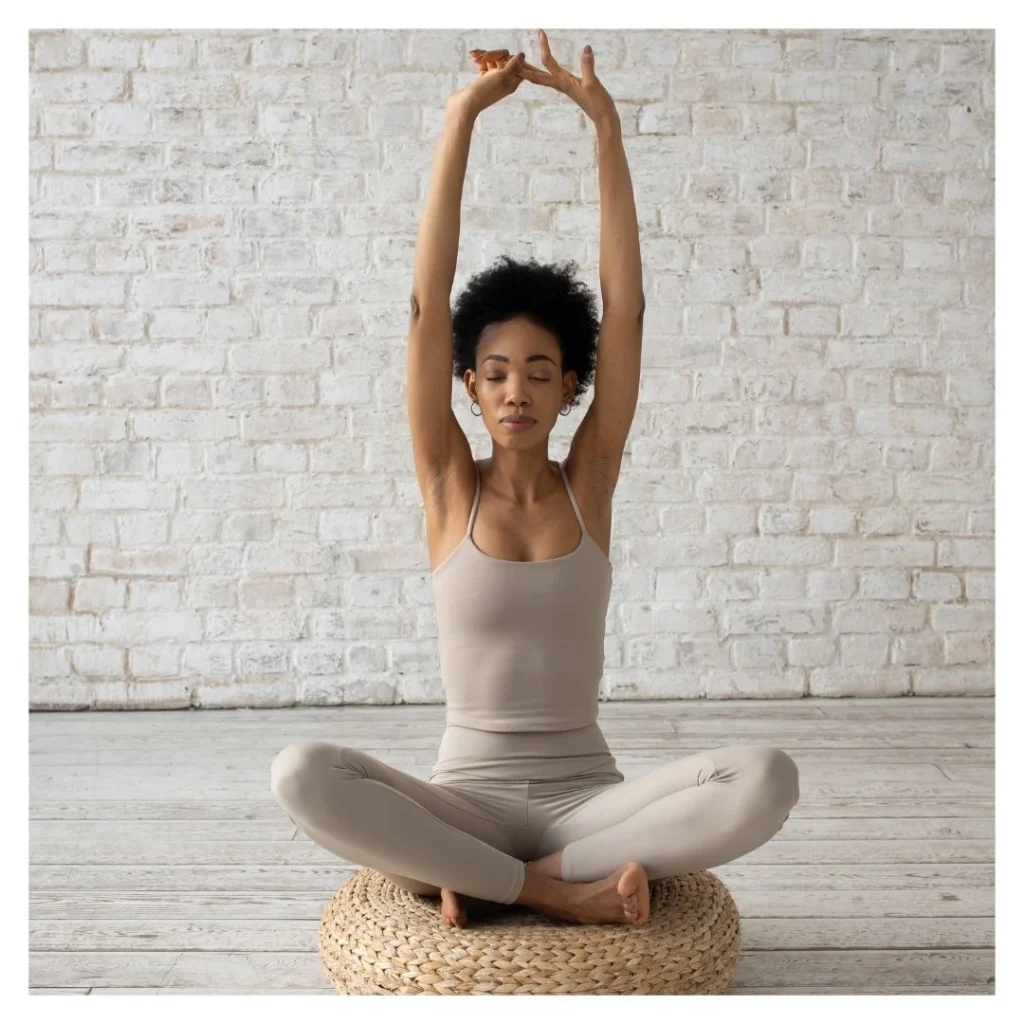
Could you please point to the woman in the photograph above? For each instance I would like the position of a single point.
(525, 804)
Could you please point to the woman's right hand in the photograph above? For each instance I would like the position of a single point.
(493, 83)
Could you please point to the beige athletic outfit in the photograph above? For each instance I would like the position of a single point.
(523, 768)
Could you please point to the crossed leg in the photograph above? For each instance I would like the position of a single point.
(688, 815)
(421, 835)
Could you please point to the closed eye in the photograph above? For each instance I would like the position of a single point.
(542, 379)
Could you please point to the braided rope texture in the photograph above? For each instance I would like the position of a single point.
(379, 939)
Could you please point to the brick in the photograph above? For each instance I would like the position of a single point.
(221, 234)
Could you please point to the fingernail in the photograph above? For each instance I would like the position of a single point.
(587, 50)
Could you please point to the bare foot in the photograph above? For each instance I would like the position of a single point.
(452, 913)
(457, 908)
(624, 897)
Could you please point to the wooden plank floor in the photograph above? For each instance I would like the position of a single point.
(160, 862)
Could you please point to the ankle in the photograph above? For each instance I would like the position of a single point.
(551, 865)
(542, 892)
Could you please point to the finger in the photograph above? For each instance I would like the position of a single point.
(589, 78)
(512, 67)
(531, 74)
(479, 54)
(540, 76)
(545, 54)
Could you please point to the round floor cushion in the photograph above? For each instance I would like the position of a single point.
(377, 938)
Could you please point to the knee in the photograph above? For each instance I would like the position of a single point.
(294, 767)
(778, 778)
(295, 771)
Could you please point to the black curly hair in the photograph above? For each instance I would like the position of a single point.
(550, 295)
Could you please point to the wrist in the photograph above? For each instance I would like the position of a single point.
(458, 111)
(608, 124)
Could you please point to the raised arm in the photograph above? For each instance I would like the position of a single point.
(603, 433)
(437, 244)
(432, 422)
(601, 438)
(621, 271)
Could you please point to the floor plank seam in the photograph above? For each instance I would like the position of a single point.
(909, 784)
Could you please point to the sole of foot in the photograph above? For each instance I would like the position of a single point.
(624, 897)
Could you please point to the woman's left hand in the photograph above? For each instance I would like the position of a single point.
(588, 93)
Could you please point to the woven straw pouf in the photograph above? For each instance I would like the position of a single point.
(377, 938)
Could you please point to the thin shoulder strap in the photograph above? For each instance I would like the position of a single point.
(476, 500)
(572, 497)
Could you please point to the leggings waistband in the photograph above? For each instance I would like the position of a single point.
(466, 753)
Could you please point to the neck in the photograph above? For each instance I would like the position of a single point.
(522, 478)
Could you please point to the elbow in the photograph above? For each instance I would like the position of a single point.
(429, 298)
(635, 307)
(626, 307)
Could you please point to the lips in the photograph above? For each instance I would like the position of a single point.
(518, 419)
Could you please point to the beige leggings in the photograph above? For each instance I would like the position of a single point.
(496, 800)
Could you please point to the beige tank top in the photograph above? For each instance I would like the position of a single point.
(522, 643)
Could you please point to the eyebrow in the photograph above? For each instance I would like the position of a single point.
(529, 359)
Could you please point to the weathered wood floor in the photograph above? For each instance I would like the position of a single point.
(160, 862)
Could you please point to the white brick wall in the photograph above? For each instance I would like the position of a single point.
(224, 508)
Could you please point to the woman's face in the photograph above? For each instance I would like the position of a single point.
(519, 373)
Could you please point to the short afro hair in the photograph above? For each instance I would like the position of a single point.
(550, 295)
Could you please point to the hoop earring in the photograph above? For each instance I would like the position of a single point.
(566, 411)
(471, 404)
